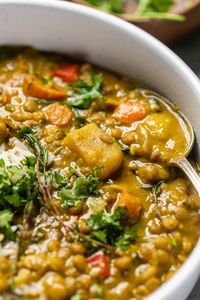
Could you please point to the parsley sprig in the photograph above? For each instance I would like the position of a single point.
(82, 94)
(40, 152)
(6, 217)
(82, 188)
(18, 186)
(112, 228)
(42, 175)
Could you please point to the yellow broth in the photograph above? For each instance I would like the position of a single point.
(110, 143)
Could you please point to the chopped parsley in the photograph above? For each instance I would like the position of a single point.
(18, 186)
(6, 217)
(111, 228)
(82, 188)
(40, 152)
(82, 93)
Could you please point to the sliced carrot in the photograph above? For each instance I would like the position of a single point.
(128, 113)
(68, 73)
(35, 88)
(59, 115)
(132, 203)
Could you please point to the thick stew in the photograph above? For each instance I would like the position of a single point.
(90, 207)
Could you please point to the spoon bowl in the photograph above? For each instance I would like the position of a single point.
(181, 160)
(183, 163)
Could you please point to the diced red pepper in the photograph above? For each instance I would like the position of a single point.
(68, 73)
(99, 259)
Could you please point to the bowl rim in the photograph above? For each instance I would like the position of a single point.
(193, 260)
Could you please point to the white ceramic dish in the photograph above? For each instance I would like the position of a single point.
(112, 43)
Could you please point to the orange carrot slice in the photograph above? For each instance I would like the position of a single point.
(128, 113)
(131, 202)
(59, 115)
(35, 88)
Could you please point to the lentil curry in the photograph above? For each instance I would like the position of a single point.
(90, 207)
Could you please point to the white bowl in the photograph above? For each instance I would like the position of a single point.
(112, 43)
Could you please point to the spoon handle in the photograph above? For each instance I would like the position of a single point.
(188, 169)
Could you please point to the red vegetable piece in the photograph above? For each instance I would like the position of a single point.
(68, 73)
(99, 259)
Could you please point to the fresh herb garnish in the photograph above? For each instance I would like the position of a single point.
(42, 175)
(129, 235)
(111, 228)
(83, 93)
(82, 188)
(18, 186)
(6, 217)
(79, 191)
(40, 152)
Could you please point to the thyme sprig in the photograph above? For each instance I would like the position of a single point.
(156, 190)
(41, 154)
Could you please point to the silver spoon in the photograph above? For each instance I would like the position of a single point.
(182, 161)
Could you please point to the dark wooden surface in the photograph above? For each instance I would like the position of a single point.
(189, 50)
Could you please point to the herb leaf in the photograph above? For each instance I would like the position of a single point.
(84, 93)
(6, 217)
(128, 236)
(17, 186)
(82, 188)
(71, 197)
(39, 151)
(112, 228)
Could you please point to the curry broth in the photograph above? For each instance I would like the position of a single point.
(90, 207)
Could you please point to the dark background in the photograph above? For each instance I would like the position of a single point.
(189, 50)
